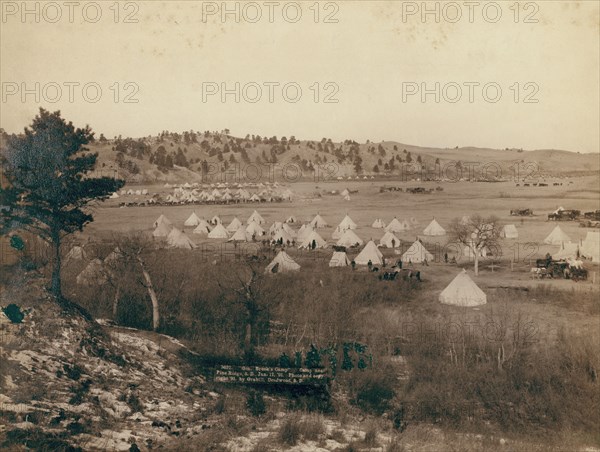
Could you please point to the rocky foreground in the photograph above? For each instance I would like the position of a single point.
(71, 383)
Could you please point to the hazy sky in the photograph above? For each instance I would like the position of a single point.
(374, 58)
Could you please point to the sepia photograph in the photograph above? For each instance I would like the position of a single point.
(307, 226)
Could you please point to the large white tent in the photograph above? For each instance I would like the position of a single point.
(397, 226)
(369, 253)
(557, 236)
(304, 231)
(339, 259)
(434, 229)
(178, 239)
(349, 239)
(219, 232)
(462, 291)
(567, 251)
(417, 253)
(193, 220)
(590, 246)
(282, 263)
(256, 218)
(347, 223)
(162, 230)
(255, 229)
(202, 228)
(313, 236)
(241, 235)
(92, 274)
(234, 225)
(389, 240)
(318, 222)
(162, 220)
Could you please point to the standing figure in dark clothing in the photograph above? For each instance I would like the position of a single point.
(370, 265)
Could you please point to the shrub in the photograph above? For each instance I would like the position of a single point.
(256, 404)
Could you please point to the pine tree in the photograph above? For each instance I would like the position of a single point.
(47, 190)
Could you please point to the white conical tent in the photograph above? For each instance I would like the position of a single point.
(304, 232)
(396, 226)
(345, 192)
(590, 246)
(417, 254)
(162, 230)
(275, 227)
(337, 233)
(347, 223)
(202, 228)
(115, 195)
(339, 259)
(161, 220)
(178, 239)
(567, 251)
(254, 228)
(256, 218)
(434, 229)
(378, 224)
(369, 253)
(389, 240)
(234, 225)
(318, 222)
(349, 239)
(462, 291)
(557, 236)
(313, 236)
(510, 232)
(282, 263)
(93, 273)
(193, 220)
(241, 235)
(114, 256)
(289, 230)
(219, 232)
(283, 236)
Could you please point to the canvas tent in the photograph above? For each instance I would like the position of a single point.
(202, 228)
(462, 291)
(93, 273)
(347, 223)
(162, 220)
(567, 251)
(389, 240)
(219, 232)
(241, 235)
(162, 230)
(255, 229)
(234, 225)
(417, 254)
(313, 236)
(434, 229)
(369, 253)
(345, 192)
(304, 231)
(282, 236)
(193, 220)
(318, 222)
(256, 218)
(590, 246)
(349, 239)
(282, 263)
(395, 226)
(557, 236)
(339, 259)
(510, 232)
(178, 239)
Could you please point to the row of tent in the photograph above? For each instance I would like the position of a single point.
(589, 247)
(462, 290)
(180, 195)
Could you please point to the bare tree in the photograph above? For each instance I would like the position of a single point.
(130, 250)
(477, 234)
